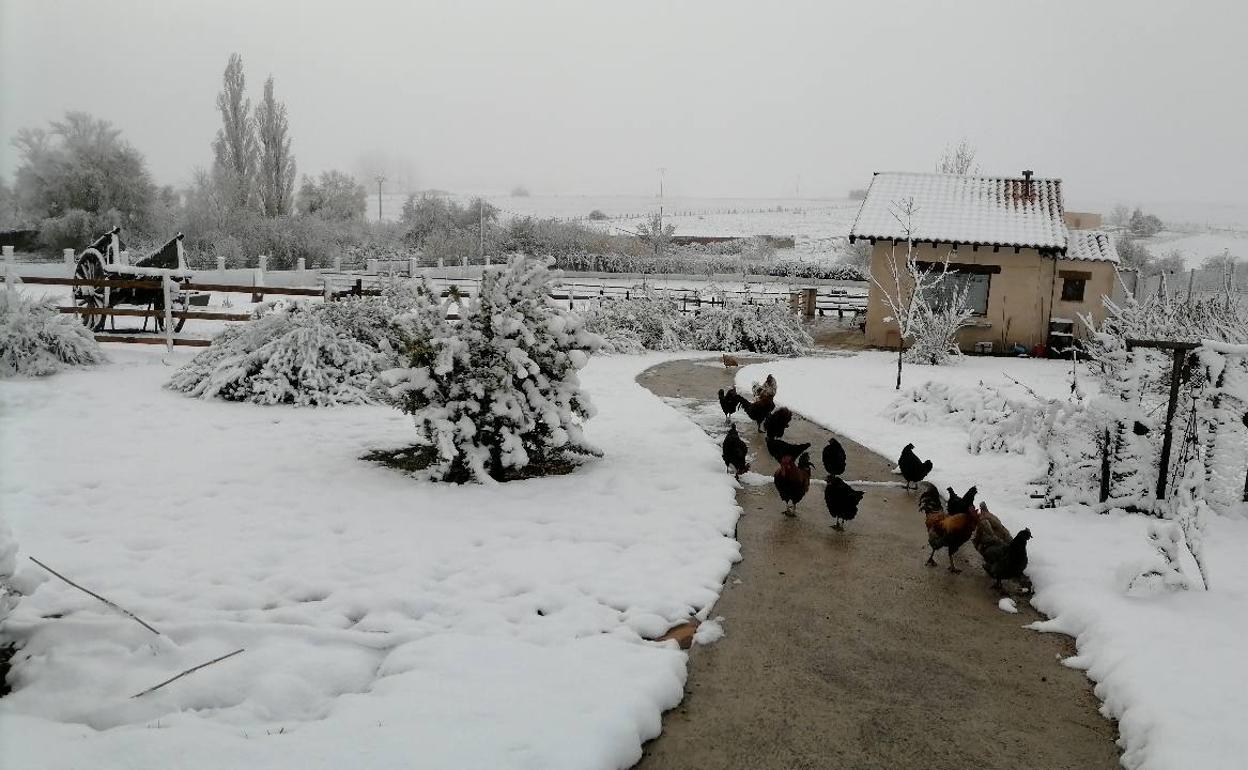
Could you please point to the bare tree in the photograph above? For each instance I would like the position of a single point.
(234, 149)
(277, 165)
(927, 310)
(655, 233)
(958, 160)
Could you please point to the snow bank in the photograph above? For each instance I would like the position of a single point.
(1169, 667)
(386, 623)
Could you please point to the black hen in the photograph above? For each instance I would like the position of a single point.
(1007, 561)
(780, 449)
(834, 458)
(842, 501)
(913, 470)
(734, 452)
(961, 504)
(728, 401)
(757, 410)
(777, 422)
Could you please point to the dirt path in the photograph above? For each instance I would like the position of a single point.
(844, 651)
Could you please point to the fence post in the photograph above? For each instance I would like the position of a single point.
(370, 266)
(68, 256)
(337, 263)
(487, 260)
(10, 278)
(220, 264)
(166, 284)
(301, 264)
(413, 265)
(441, 263)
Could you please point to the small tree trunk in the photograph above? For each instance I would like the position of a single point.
(899, 351)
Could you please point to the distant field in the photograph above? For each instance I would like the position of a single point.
(818, 224)
(1196, 247)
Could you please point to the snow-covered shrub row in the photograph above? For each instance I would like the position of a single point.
(37, 340)
(499, 390)
(8, 566)
(306, 354)
(704, 264)
(767, 328)
(650, 321)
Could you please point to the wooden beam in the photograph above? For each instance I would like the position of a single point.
(135, 312)
(150, 340)
(1161, 344)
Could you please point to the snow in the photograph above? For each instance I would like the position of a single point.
(1091, 246)
(957, 208)
(1007, 605)
(1197, 246)
(1169, 666)
(385, 622)
(709, 631)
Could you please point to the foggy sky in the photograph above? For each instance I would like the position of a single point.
(1126, 101)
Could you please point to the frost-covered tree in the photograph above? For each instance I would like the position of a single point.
(234, 149)
(37, 340)
(499, 390)
(958, 159)
(1143, 225)
(927, 308)
(277, 164)
(8, 566)
(335, 196)
(655, 234)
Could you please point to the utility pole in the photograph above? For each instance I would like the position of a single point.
(658, 235)
(380, 179)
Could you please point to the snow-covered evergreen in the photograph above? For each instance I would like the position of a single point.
(646, 321)
(36, 340)
(498, 390)
(8, 566)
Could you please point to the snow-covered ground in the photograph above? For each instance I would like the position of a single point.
(1198, 246)
(1171, 668)
(385, 622)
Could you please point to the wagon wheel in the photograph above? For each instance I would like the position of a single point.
(178, 323)
(91, 266)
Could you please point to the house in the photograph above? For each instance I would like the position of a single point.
(1027, 271)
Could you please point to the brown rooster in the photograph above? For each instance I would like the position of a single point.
(766, 389)
(944, 530)
(793, 481)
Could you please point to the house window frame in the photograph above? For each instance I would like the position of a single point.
(1068, 278)
(969, 269)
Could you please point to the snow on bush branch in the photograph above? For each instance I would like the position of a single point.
(37, 340)
(499, 390)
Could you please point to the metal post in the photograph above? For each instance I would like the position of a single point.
(380, 179)
(481, 227)
(10, 276)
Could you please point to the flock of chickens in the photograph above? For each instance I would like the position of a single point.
(949, 526)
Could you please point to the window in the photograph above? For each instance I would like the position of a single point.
(975, 285)
(1072, 288)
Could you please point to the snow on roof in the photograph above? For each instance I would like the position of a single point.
(1091, 246)
(955, 208)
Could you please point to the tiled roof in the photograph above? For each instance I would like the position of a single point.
(953, 208)
(1092, 246)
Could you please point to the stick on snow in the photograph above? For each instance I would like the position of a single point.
(89, 592)
(190, 670)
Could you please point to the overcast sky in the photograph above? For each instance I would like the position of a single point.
(1126, 101)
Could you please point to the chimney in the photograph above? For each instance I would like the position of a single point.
(1027, 184)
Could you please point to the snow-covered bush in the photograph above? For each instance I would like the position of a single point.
(498, 391)
(646, 321)
(934, 332)
(36, 340)
(8, 566)
(766, 328)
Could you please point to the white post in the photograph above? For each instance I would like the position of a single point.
(68, 256)
(412, 267)
(166, 285)
(487, 260)
(370, 266)
(465, 259)
(441, 263)
(263, 264)
(10, 276)
(220, 264)
(337, 263)
(301, 264)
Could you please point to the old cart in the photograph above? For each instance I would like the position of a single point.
(106, 260)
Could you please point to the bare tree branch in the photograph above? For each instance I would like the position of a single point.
(191, 670)
(89, 592)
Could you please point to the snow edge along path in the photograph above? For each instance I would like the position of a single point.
(422, 626)
(1169, 668)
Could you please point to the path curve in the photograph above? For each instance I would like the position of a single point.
(844, 651)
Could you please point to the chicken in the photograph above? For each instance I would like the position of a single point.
(964, 503)
(757, 409)
(1005, 557)
(780, 449)
(793, 481)
(834, 458)
(913, 470)
(735, 452)
(767, 389)
(944, 530)
(728, 402)
(730, 361)
(842, 501)
(778, 422)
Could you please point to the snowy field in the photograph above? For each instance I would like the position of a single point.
(385, 623)
(1196, 247)
(1170, 668)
